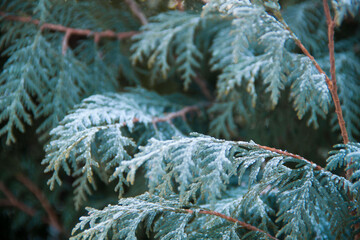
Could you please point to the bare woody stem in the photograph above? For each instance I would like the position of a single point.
(53, 219)
(13, 201)
(331, 25)
(203, 87)
(135, 9)
(317, 167)
(231, 219)
(70, 31)
(331, 83)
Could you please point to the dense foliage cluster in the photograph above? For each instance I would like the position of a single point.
(156, 116)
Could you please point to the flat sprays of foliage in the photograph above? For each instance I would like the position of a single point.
(165, 119)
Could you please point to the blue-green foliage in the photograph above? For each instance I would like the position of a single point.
(347, 76)
(99, 130)
(307, 21)
(38, 80)
(344, 8)
(348, 157)
(198, 169)
(164, 42)
(91, 140)
(255, 49)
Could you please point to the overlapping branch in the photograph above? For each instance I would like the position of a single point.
(11, 200)
(69, 31)
(53, 219)
(331, 83)
(137, 11)
(230, 219)
(317, 167)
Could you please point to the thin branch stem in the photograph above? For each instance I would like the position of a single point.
(13, 201)
(331, 83)
(135, 9)
(69, 31)
(181, 113)
(53, 219)
(170, 116)
(317, 66)
(231, 219)
(331, 26)
(180, 5)
(203, 87)
(317, 167)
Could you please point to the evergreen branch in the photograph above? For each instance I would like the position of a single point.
(331, 83)
(135, 9)
(13, 201)
(230, 219)
(317, 66)
(331, 25)
(53, 219)
(317, 167)
(69, 31)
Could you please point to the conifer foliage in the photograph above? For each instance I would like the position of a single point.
(158, 100)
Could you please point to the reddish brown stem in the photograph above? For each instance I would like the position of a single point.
(170, 116)
(317, 66)
(231, 219)
(203, 87)
(13, 201)
(181, 113)
(331, 26)
(135, 9)
(180, 5)
(53, 219)
(331, 23)
(69, 31)
(317, 167)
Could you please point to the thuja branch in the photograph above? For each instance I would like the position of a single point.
(68, 30)
(317, 167)
(331, 83)
(230, 219)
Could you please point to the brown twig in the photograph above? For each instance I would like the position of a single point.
(231, 219)
(331, 26)
(181, 113)
(135, 9)
(13, 201)
(53, 219)
(317, 66)
(331, 83)
(170, 116)
(203, 87)
(331, 23)
(180, 5)
(69, 31)
(317, 167)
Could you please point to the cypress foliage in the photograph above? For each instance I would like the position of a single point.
(165, 119)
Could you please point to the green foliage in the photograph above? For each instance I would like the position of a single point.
(164, 42)
(96, 126)
(46, 83)
(116, 115)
